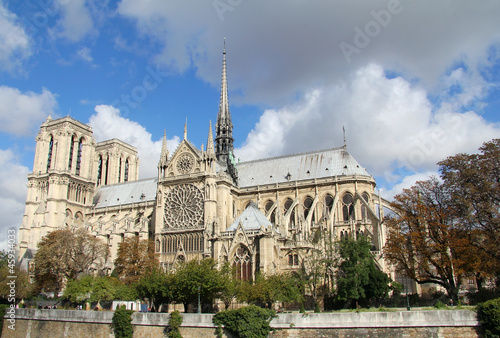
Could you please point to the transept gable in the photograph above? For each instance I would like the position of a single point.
(185, 160)
(240, 238)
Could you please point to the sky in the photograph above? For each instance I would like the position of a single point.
(411, 82)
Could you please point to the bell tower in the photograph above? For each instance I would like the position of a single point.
(62, 185)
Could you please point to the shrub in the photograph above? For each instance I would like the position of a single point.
(489, 317)
(122, 323)
(246, 322)
(3, 308)
(174, 323)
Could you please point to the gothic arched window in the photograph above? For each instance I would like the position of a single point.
(99, 169)
(272, 217)
(49, 156)
(288, 205)
(328, 205)
(363, 207)
(71, 148)
(106, 166)
(348, 208)
(243, 263)
(120, 171)
(79, 156)
(125, 176)
(307, 208)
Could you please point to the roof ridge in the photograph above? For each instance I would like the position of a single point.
(129, 182)
(292, 155)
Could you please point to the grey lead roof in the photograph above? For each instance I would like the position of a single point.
(316, 164)
(126, 193)
(251, 219)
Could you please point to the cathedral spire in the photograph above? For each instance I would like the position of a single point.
(164, 150)
(186, 129)
(224, 126)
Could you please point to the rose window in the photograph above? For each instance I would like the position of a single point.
(184, 207)
(185, 163)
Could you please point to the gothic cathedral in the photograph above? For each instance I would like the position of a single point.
(262, 216)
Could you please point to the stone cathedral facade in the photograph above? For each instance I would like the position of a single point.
(261, 216)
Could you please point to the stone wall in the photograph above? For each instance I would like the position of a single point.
(70, 323)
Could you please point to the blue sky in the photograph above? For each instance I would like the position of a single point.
(412, 81)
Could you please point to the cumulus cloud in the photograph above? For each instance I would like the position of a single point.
(21, 113)
(75, 21)
(276, 49)
(392, 128)
(107, 123)
(13, 193)
(15, 45)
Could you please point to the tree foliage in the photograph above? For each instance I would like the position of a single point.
(155, 287)
(246, 322)
(269, 289)
(422, 237)
(64, 255)
(230, 285)
(473, 181)
(489, 317)
(358, 278)
(90, 288)
(196, 277)
(122, 323)
(23, 287)
(134, 258)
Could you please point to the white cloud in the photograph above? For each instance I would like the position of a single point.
(13, 193)
(84, 54)
(406, 183)
(392, 128)
(21, 113)
(107, 123)
(15, 45)
(276, 49)
(75, 22)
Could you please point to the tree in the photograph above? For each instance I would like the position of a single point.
(423, 238)
(23, 287)
(357, 277)
(91, 288)
(155, 287)
(269, 289)
(473, 182)
(63, 255)
(230, 285)
(196, 277)
(134, 257)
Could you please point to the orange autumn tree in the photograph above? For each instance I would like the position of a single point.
(422, 238)
(135, 257)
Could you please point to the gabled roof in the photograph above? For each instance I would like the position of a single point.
(126, 193)
(251, 219)
(315, 164)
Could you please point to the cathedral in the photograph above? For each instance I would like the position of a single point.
(262, 216)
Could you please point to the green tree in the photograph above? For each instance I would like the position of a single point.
(230, 285)
(269, 289)
(155, 287)
(134, 257)
(246, 322)
(358, 278)
(196, 277)
(90, 288)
